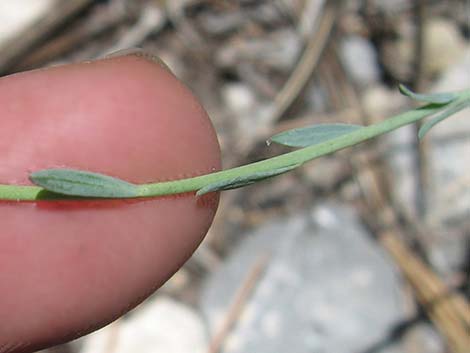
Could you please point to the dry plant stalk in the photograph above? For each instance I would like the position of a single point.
(449, 311)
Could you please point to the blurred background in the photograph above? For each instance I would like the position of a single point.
(364, 251)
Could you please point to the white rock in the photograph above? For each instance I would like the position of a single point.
(17, 15)
(379, 100)
(238, 97)
(161, 325)
(443, 45)
(359, 58)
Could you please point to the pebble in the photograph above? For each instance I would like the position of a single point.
(159, 325)
(359, 59)
(238, 97)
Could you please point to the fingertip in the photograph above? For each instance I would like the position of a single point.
(70, 267)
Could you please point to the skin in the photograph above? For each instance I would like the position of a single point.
(68, 268)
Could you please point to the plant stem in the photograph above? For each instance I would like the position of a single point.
(285, 160)
(298, 157)
(20, 193)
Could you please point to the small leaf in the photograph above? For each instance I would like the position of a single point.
(428, 125)
(313, 135)
(239, 182)
(435, 98)
(84, 184)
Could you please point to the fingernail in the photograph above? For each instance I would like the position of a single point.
(141, 53)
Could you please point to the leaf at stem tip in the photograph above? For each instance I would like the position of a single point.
(312, 135)
(435, 98)
(428, 125)
(83, 184)
(242, 181)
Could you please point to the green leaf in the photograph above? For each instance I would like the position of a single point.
(242, 181)
(428, 125)
(312, 135)
(435, 98)
(84, 184)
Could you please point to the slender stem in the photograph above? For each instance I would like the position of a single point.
(285, 160)
(31, 193)
(20, 193)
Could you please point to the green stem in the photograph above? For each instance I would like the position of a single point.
(31, 193)
(20, 193)
(285, 160)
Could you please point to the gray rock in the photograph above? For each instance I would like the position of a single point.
(359, 59)
(328, 288)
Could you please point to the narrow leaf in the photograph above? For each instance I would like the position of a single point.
(242, 181)
(435, 98)
(84, 184)
(428, 125)
(313, 135)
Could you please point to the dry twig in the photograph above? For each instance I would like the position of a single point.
(307, 64)
(239, 302)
